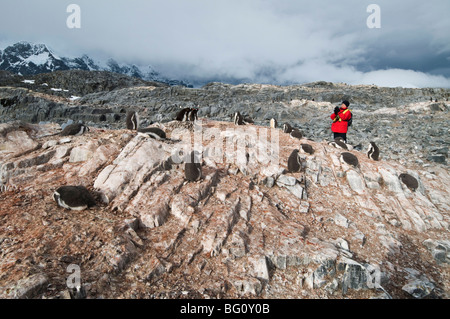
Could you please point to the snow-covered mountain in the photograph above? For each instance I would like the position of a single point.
(25, 58)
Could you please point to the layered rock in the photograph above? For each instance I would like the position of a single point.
(248, 228)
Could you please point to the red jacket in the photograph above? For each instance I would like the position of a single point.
(340, 125)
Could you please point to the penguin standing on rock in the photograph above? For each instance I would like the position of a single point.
(373, 152)
(287, 128)
(238, 119)
(192, 115)
(74, 130)
(193, 168)
(74, 197)
(294, 162)
(181, 115)
(132, 120)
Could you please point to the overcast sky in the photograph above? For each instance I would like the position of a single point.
(264, 41)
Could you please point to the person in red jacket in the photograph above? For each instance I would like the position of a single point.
(340, 118)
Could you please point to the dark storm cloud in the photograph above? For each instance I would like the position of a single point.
(267, 41)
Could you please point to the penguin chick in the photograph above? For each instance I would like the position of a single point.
(74, 197)
(153, 132)
(306, 148)
(350, 159)
(410, 181)
(248, 120)
(74, 130)
(296, 134)
(193, 168)
(294, 162)
(339, 143)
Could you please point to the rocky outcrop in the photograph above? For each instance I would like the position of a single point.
(74, 82)
(248, 228)
(401, 122)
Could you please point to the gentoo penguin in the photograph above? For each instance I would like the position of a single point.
(410, 181)
(350, 159)
(373, 152)
(193, 115)
(294, 162)
(273, 123)
(296, 134)
(339, 143)
(74, 197)
(306, 148)
(238, 119)
(154, 132)
(132, 120)
(74, 129)
(193, 168)
(287, 128)
(181, 115)
(248, 120)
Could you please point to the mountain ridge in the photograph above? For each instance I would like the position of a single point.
(25, 58)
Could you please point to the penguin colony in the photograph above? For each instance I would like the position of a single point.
(79, 198)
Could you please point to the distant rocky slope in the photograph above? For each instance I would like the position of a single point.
(413, 122)
(247, 229)
(74, 82)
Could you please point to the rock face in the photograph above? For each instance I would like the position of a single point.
(247, 228)
(400, 121)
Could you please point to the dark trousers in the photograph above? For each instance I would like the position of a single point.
(343, 135)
